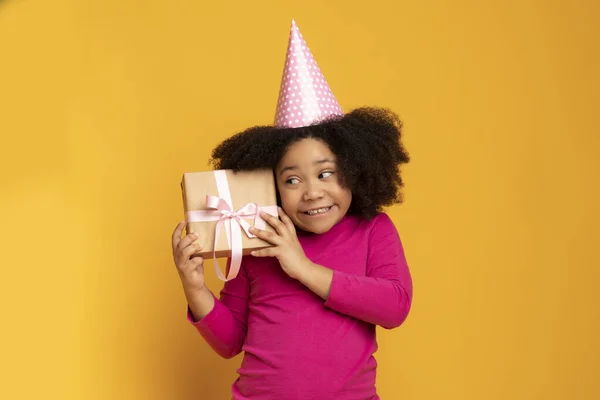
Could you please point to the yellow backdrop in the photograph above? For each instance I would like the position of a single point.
(104, 104)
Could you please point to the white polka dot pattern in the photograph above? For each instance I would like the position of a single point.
(304, 95)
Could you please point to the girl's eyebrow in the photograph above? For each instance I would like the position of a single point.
(317, 162)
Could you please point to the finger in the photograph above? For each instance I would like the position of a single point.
(267, 236)
(184, 255)
(196, 262)
(275, 223)
(176, 237)
(268, 252)
(189, 251)
(191, 265)
(187, 240)
(286, 220)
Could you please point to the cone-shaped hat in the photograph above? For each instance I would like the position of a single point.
(304, 95)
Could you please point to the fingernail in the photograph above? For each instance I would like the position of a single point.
(196, 234)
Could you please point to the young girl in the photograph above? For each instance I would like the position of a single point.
(305, 311)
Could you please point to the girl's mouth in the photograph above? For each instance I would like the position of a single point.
(317, 211)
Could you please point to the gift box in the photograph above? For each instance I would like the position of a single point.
(221, 206)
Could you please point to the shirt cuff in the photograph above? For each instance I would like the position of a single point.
(335, 297)
(209, 319)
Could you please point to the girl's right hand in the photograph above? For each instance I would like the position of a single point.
(191, 269)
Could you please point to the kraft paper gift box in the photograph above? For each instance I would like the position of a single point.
(221, 206)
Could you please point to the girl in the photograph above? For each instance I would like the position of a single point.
(305, 311)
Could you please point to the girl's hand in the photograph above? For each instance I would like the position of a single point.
(191, 270)
(287, 248)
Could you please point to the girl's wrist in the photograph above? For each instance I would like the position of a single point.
(317, 278)
(200, 302)
(303, 273)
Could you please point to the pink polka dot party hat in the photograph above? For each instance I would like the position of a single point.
(304, 95)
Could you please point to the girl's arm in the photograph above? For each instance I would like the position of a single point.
(224, 327)
(382, 297)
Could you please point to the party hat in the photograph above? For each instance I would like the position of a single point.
(304, 95)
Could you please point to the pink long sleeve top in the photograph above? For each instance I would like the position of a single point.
(297, 345)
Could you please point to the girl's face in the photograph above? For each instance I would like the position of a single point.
(308, 184)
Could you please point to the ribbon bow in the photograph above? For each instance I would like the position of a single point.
(233, 220)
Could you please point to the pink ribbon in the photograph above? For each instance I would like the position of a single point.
(219, 209)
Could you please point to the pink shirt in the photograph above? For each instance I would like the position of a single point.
(295, 344)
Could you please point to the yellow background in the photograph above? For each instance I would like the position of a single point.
(104, 104)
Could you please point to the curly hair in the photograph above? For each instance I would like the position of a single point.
(366, 142)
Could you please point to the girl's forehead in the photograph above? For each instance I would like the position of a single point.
(308, 148)
(307, 153)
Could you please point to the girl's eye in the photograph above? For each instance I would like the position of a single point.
(292, 181)
(324, 175)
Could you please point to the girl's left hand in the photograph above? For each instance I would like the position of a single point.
(286, 248)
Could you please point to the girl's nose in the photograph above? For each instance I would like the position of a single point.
(313, 191)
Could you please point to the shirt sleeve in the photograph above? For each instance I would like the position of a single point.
(225, 327)
(383, 297)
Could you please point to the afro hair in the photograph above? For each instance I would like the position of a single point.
(366, 142)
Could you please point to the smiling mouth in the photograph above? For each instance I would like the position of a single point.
(317, 211)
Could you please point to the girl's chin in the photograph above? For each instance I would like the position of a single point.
(316, 224)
